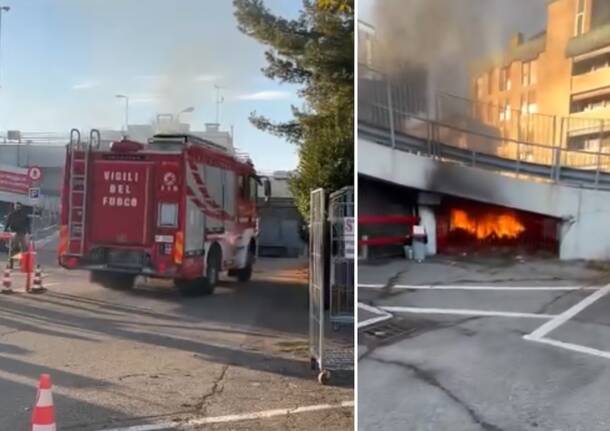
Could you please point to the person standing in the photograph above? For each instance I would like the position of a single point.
(18, 222)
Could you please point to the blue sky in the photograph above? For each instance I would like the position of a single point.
(64, 60)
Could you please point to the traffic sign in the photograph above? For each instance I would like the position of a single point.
(34, 193)
(34, 173)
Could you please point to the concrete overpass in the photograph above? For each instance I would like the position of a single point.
(580, 198)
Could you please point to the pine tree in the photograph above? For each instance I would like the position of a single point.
(316, 52)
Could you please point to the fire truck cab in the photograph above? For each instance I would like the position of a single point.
(178, 207)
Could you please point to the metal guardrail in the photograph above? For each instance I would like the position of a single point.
(430, 147)
(396, 116)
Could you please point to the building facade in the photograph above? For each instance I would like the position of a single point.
(554, 88)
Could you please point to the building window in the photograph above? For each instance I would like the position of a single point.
(528, 73)
(533, 72)
(480, 87)
(490, 82)
(525, 73)
(580, 17)
(532, 105)
(590, 104)
(505, 83)
(591, 64)
(505, 112)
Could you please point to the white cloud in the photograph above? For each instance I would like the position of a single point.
(207, 78)
(143, 99)
(85, 85)
(152, 80)
(266, 95)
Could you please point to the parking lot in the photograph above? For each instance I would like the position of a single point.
(150, 358)
(484, 344)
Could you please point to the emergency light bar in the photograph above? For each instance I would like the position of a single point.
(161, 139)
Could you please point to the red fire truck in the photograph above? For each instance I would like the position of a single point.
(179, 207)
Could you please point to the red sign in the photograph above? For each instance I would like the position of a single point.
(14, 183)
(34, 173)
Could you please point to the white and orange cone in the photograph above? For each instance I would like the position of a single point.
(7, 283)
(37, 283)
(43, 415)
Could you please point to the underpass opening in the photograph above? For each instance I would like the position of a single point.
(466, 226)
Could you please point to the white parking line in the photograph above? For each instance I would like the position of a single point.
(570, 346)
(482, 288)
(236, 418)
(382, 315)
(466, 312)
(568, 314)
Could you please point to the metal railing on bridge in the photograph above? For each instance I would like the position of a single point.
(461, 130)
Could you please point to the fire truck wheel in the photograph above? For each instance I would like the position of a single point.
(212, 272)
(112, 280)
(245, 274)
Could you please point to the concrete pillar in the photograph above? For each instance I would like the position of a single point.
(427, 214)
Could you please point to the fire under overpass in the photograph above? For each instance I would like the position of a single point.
(434, 157)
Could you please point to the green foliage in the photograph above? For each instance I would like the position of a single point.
(316, 52)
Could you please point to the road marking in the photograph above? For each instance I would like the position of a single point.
(560, 319)
(570, 346)
(466, 312)
(383, 315)
(490, 288)
(236, 418)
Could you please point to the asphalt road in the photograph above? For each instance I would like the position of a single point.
(149, 355)
(441, 369)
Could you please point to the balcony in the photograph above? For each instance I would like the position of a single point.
(595, 80)
(590, 41)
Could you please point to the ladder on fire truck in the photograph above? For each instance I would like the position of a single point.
(77, 194)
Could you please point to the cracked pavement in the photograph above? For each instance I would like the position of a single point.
(475, 373)
(119, 358)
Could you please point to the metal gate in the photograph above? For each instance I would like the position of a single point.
(331, 245)
(317, 224)
(341, 221)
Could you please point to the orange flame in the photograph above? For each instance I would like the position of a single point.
(504, 225)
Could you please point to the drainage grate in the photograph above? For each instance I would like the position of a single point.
(387, 332)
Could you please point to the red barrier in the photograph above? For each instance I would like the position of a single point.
(385, 240)
(408, 220)
(4, 236)
(388, 219)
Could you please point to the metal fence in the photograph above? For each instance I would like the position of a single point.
(331, 330)
(561, 149)
(341, 223)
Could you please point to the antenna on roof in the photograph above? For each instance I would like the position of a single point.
(219, 101)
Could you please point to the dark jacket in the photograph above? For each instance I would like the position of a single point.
(18, 222)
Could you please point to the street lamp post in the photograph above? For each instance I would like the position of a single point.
(184, 111)
(2, 10)
(122, 96)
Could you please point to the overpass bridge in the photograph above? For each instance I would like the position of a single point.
(456, 158)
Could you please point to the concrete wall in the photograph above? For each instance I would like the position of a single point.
(585, 231)
(32, 155)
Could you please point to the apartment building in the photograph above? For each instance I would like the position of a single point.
(553, 88)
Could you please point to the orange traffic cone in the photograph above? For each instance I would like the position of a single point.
(7, 284)
(37, 283)
(43, 415)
